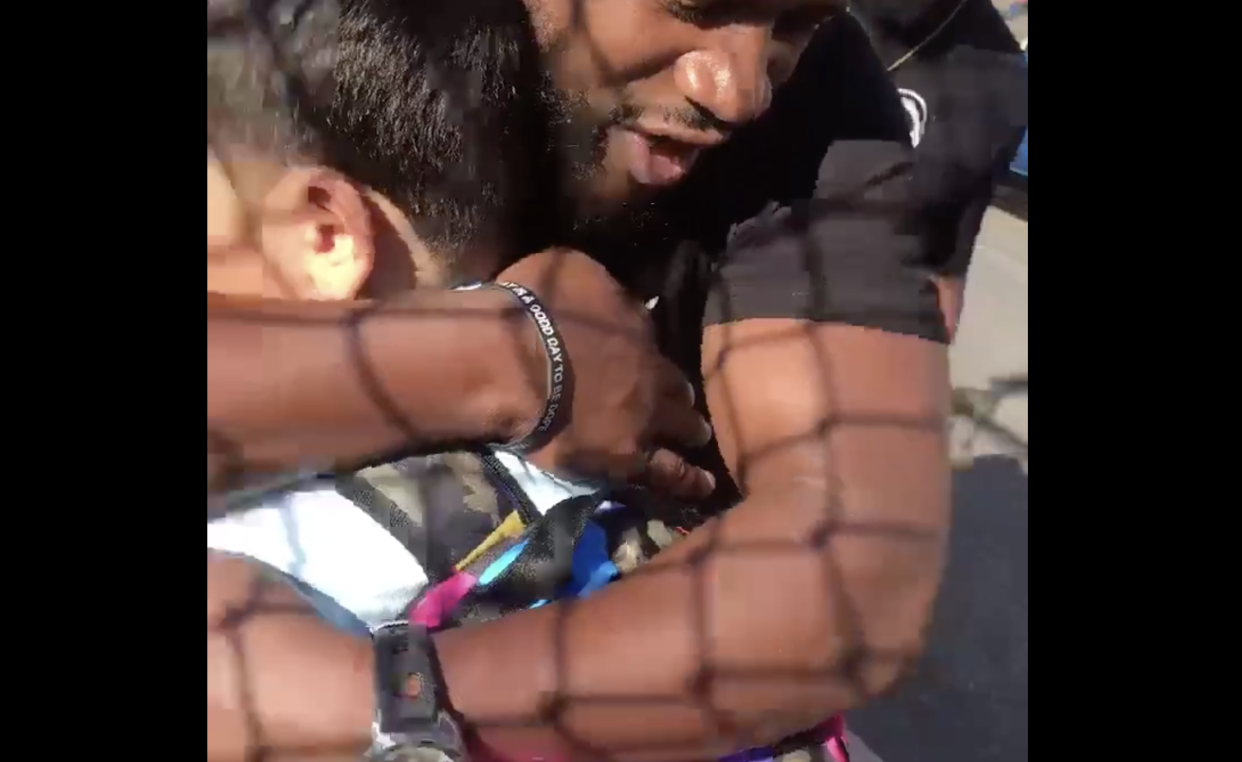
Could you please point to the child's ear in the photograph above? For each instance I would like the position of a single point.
(318, 229)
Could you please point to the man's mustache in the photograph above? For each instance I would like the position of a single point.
(689, 117)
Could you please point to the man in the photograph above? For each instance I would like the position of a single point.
(824, 372)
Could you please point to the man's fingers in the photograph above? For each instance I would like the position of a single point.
(675, 420)
(667, 473)
(672, 384)
(678, 423)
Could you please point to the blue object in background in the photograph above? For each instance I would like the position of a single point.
(1019, 161)
(1018, 166)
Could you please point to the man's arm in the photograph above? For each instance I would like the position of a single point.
(279, 679)
(322, 384)
(325, 385)
(827, 381)
(826, 378)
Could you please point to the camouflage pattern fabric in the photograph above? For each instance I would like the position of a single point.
(441, 507)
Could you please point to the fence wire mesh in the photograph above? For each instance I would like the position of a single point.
(272, 80)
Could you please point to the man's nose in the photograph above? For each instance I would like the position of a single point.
(730, 78)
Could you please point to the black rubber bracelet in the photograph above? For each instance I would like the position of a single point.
(549, 419)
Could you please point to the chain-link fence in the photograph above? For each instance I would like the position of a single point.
(273, 78)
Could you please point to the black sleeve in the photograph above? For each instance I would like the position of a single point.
(965, 90)
(821, 224)
(953, 223)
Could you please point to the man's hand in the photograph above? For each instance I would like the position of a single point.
(626, 400)
(952, 294)
(332, 384)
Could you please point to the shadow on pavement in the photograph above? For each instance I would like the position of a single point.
(968, 702)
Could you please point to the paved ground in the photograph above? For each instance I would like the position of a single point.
(969, 702)
(1018, 24)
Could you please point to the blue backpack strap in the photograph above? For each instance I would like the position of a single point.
(546, 563)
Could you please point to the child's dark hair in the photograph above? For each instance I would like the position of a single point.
(441, 107)
(269, 63)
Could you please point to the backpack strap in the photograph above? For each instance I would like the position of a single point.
(438, 507)
(529, 569)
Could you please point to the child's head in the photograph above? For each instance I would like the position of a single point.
(280, 220)
(348, 155)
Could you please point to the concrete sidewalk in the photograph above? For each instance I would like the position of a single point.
(991, 355)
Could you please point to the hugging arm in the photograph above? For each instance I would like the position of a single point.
(826, 378)
(800, 602)
(280, 681)
(327, 384)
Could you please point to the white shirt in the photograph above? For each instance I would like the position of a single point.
(331, 545)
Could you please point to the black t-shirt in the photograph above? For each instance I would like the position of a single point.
(965, 93)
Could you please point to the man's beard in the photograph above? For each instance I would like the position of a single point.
(578, 138)
(550, 198)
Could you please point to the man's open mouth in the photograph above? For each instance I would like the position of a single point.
(657, 160)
